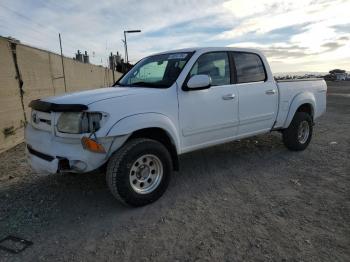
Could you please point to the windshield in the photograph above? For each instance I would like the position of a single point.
(158, 71)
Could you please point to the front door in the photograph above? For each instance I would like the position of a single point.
(209, 116)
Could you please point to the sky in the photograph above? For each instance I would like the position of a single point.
(295, 35)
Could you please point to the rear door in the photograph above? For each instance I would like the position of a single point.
(258, 97)
(209, 116)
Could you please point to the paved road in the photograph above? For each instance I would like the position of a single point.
(247, 200)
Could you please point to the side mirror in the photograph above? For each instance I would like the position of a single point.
(198, 82)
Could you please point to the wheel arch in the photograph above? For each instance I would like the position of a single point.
(161, 136)
(307, 108)
(150, 125)
(304, 102)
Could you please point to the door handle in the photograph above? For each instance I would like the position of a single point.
(270, 92)
(228, 96)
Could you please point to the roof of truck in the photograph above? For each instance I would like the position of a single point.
(211, 49)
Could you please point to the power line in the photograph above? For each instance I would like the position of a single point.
(51, 33)
(49, 2)
(21, 15)
(28, 27)
(27, 38)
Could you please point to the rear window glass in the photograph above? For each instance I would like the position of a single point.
(249, 67)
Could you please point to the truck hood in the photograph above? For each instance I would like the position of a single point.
(91, 96)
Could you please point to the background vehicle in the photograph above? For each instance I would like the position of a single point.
(166, 105)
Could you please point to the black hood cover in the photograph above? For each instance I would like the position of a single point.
(52, 107)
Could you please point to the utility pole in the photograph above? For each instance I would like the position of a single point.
(64, 75)
(113, 66)
(126, 48)
(126, 45)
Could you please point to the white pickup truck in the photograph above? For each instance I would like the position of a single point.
(169, 104)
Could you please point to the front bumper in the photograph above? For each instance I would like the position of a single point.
(48, 154)
(40, 165)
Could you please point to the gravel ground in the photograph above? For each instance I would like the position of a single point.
(249, 200)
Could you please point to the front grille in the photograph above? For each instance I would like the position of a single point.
(39, 154)
(48, 122)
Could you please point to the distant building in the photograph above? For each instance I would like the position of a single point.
(79, 56)
(86, 58)
(114, 60)
(116, 63)
(338, 74)
(83, 58)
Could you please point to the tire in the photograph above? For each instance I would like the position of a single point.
(292, 137)
(145, 161)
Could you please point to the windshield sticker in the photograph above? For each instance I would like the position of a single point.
(177, 56)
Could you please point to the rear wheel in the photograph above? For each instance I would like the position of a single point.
(299, 133)
(139, 173)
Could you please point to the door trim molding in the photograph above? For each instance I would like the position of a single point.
(255, 119)
(189, 131)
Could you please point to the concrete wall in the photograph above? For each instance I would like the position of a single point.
(41, 73)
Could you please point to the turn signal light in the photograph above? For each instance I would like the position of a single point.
(92, 145)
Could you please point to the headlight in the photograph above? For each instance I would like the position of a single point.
(78, 123)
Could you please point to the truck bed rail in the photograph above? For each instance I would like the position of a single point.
(301, 79)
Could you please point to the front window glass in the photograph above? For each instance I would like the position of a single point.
(215, 65)
(156, 71)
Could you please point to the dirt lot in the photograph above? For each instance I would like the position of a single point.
(247, 200)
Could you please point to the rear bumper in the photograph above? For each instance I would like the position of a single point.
(48, 154)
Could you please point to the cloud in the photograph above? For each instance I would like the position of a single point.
(344, 38)
(306, 33)
(342, 28)
(331, 45)
(302, 31)
(272, 15)
(277, 51)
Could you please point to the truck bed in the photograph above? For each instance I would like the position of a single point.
(288, 90)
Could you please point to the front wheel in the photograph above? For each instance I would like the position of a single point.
(299, 133)
(139, 173)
